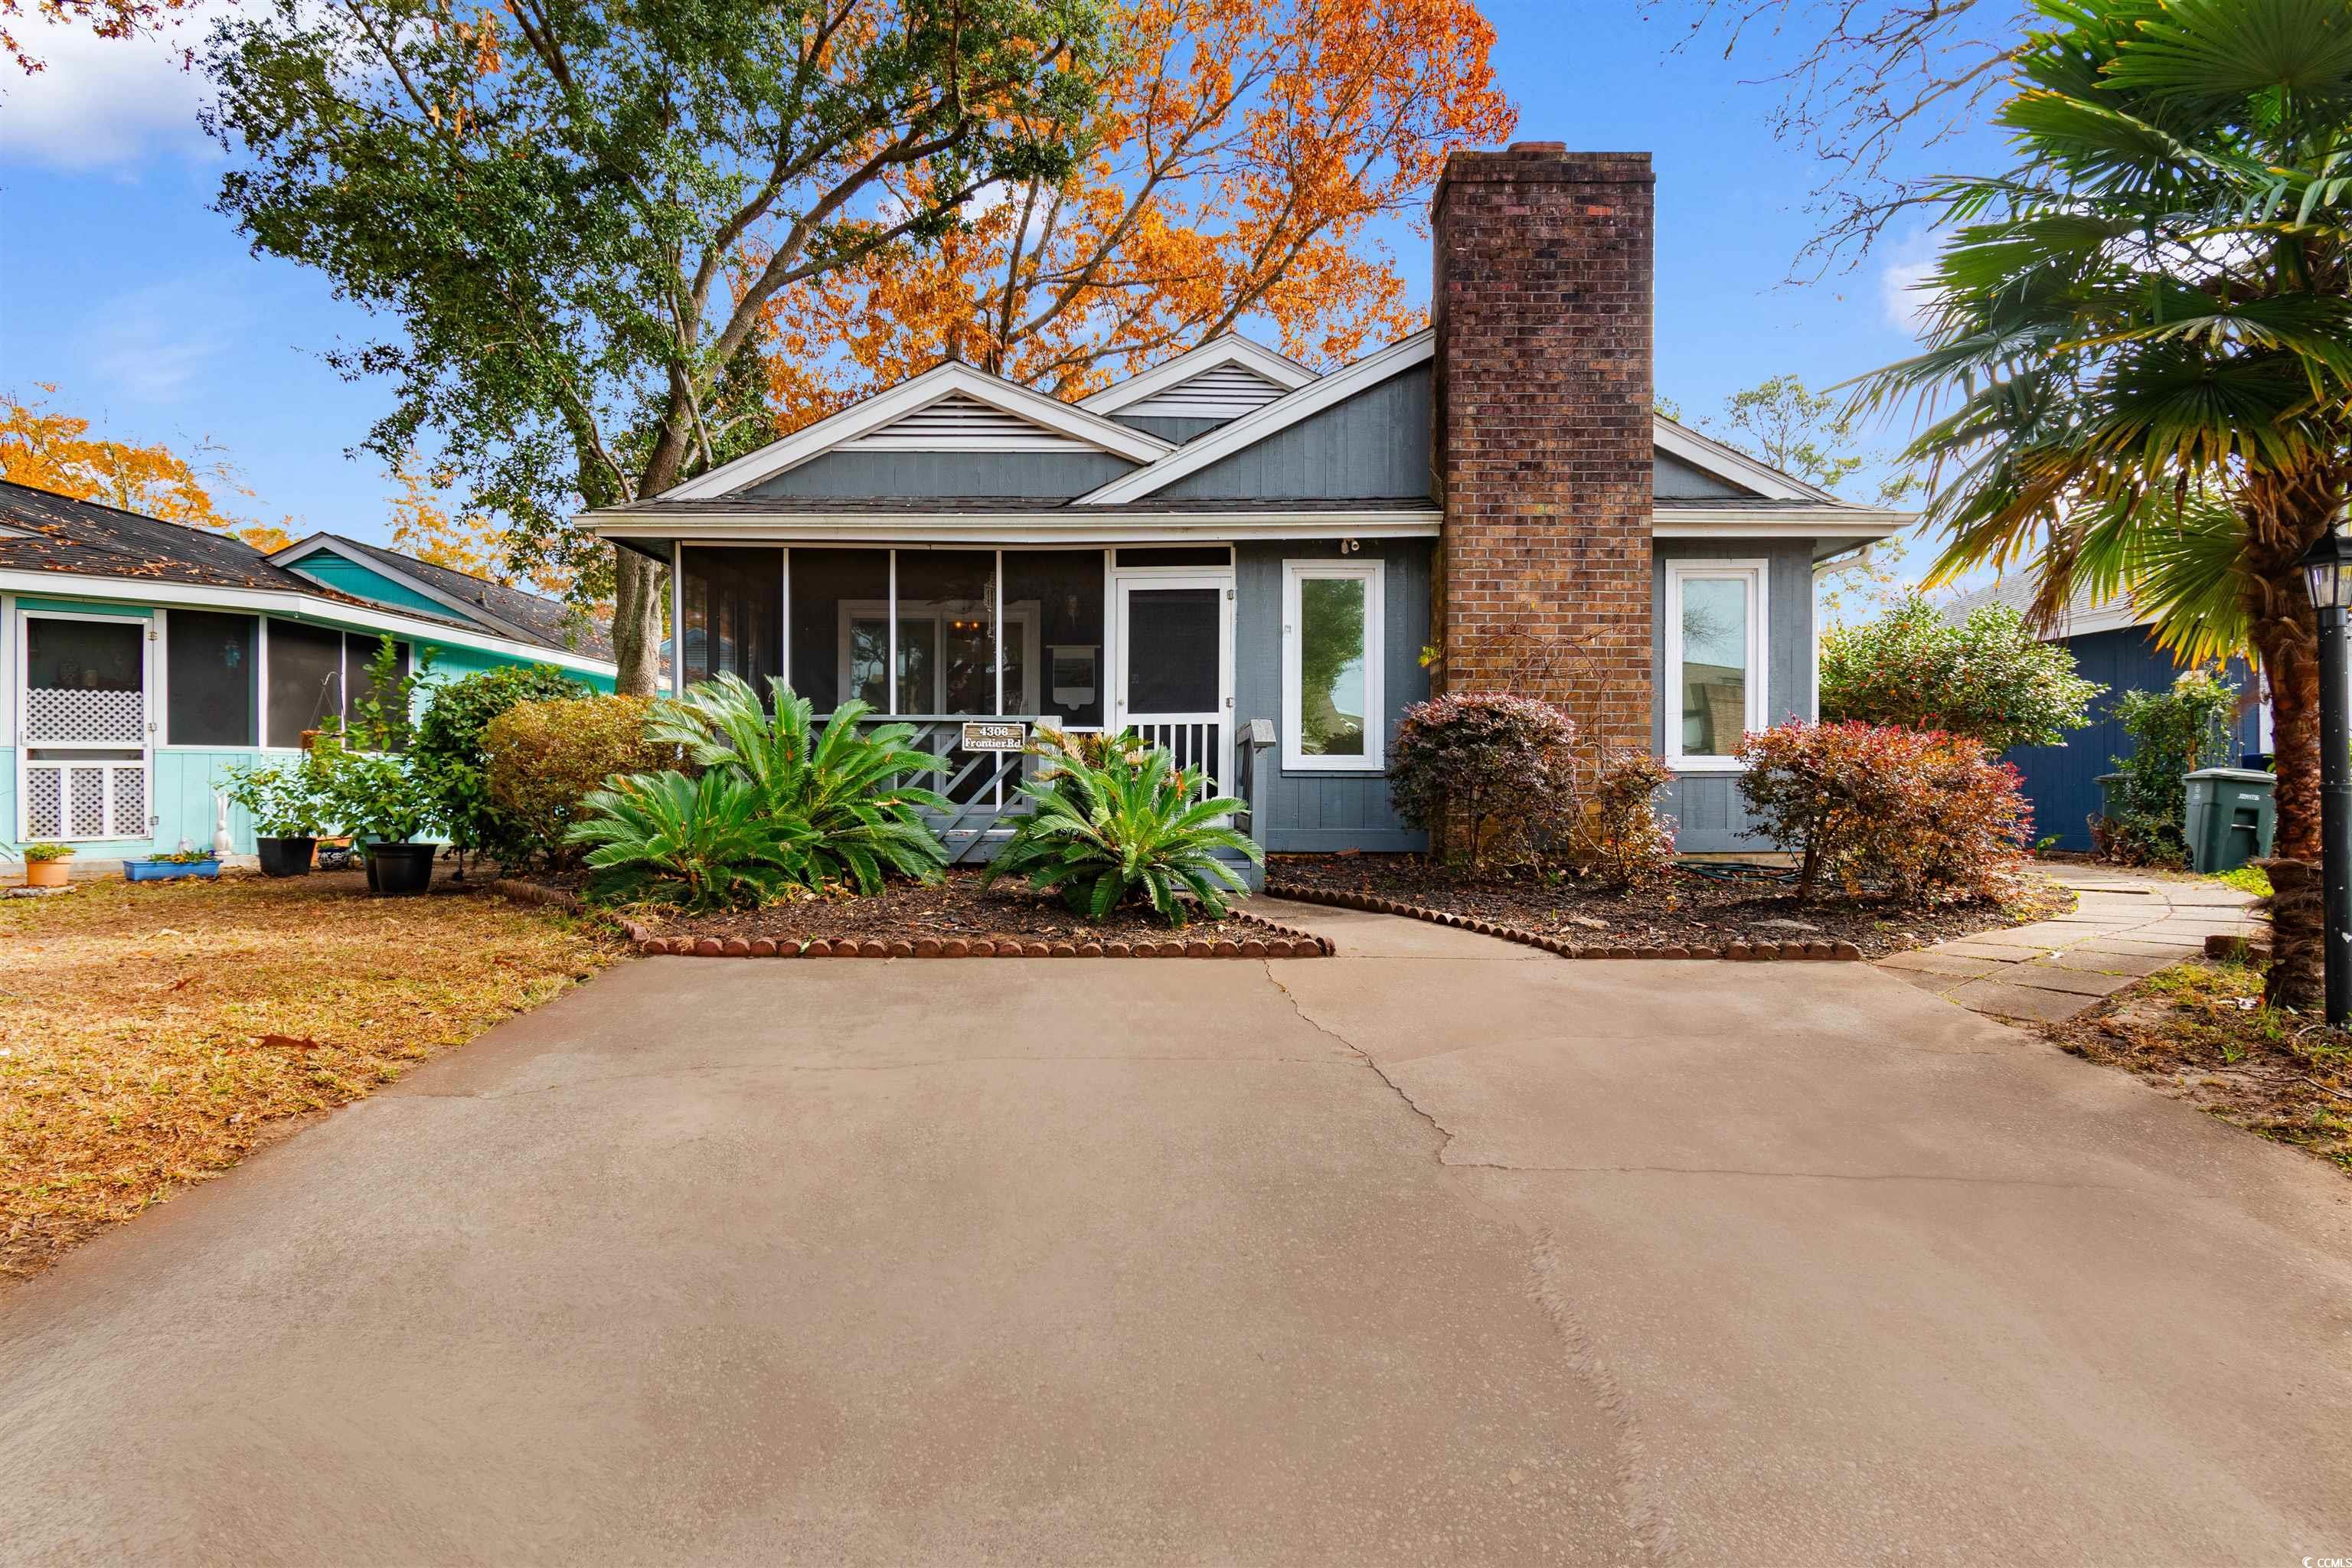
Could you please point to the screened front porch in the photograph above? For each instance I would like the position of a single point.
(949, 638)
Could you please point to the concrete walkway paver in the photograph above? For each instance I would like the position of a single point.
(2124, 926)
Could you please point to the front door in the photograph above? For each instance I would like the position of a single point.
(1175, 666)
(81, 769)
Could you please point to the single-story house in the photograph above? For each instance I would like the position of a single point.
(2114, 644)
(1260, 566)
(143, 658)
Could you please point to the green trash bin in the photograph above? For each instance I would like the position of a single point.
(2231, 812)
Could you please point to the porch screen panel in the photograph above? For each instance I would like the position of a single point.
(1064, 589)
(733, 605)
(83, 682)
(841, 605)
(305, 680)
(211, 682)
(947, 624)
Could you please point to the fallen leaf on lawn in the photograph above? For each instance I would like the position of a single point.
(291, 1042)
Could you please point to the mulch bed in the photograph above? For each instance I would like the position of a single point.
(950, 919)
(1686, 916)
(2198, 1031)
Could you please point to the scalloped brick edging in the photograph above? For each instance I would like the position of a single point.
(1281, 941)
(1817, 949)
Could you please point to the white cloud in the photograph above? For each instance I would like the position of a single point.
(152, 344)
(103, 103)
(1902, 296)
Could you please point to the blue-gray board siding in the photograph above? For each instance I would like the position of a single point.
(2063, 781)
(1373, 445)
(860, 475)
(1311, 811)
(1178, 428)
(1673, 478)
(1708, 814)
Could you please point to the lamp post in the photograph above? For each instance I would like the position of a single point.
(2327, 568)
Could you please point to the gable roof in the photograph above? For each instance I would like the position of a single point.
(1733, 466)
(53, 532)
(1310, 398)
(960, 388)
(1224, 378)
(515, 612)
(2082, 617)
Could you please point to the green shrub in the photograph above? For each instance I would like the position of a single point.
(372, 795)
(698, 843)
(286, 800)
(2174, 733)
(1489, 769)
(1988, 678)
(1103, 832)
(852, 788)
(448, 749)
(45, 850)
(545, 758)
(1921, 815)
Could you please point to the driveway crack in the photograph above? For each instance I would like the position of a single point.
(1444, 1134)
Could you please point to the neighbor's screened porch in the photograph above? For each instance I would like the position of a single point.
(937, 636)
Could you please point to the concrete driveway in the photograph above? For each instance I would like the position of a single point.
(1443, 1251)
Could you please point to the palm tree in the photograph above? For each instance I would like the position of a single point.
(2138, 364)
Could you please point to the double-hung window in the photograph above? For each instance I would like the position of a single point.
(1715, 660)
(1332, 716)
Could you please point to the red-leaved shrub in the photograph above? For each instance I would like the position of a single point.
(1492, 769)
(1621, 838)
(1924, 815)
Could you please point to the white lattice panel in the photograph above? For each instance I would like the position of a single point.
(85, 800)
(44, 801)
(60, 714)
(127, 793)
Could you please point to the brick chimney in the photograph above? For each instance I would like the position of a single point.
(1542, 310)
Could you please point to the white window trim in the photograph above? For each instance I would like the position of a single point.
(1758, 576)
(1373, 574)
(1022, 615)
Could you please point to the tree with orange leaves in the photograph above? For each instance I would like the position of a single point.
(1240, 155)
(106, 18)
(54, 451)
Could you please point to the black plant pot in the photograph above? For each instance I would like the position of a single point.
(400, 871)
(286, 856)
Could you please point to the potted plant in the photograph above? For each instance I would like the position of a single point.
(388, 807)
(172, 867)
(45, 863)
(284, 801)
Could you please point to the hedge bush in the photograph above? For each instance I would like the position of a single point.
(1621, 838)
(1491, 770)
(544, 758)
(1988, 678)
(448, 750)
(1920, 814)
(2174, 733)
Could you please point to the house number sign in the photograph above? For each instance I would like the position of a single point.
(995, 737)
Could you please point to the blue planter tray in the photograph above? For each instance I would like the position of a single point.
(169, 870)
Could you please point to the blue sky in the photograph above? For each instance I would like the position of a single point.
(154, 320)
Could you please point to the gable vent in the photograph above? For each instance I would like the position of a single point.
(1227, 392)
(961, 423)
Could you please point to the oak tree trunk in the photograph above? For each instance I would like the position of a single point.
(637, 587)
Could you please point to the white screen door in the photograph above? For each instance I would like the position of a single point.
(1174, 667)
(83, 768)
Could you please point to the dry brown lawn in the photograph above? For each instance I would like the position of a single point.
(151, 1035)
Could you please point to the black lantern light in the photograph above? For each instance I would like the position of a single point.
(2328, 570)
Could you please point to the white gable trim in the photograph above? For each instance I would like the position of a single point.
(1046, 415)
(1218, 352)
(1280, 415)
(1729, 464)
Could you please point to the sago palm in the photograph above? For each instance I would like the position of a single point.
(1132, 823)
(2140, 352)
(702, 843)
(852, 787)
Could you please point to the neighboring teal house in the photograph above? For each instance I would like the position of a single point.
(143, 658)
